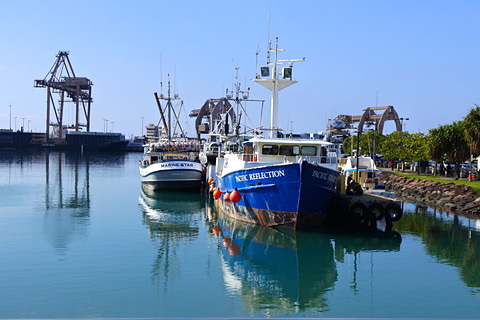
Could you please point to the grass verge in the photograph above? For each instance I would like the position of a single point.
(475, 185)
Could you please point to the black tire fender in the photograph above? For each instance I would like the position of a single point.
(393, 212)
(359, 210)
(375, 212)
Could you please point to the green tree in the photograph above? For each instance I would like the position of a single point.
(449, 142)
(438, 143)
(367, 142)
(405, 146)
(393, 145)
(417, 148)
(472, 130)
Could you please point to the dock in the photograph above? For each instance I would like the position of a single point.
(366, 209)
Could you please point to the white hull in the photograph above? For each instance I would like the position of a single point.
(173, 175)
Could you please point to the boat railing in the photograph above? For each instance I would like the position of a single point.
(252, 157)
(328, 159)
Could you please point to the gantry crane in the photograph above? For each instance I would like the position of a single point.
(368, 118)
(61, 79)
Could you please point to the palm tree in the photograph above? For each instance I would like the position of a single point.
(472, 130)
(449, 142)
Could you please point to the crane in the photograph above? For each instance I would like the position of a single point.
(61, 79)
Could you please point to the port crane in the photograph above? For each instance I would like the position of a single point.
(61, 79)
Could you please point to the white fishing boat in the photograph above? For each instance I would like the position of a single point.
(171, 161)
(364, 172)
(362, 169)
(285, 182)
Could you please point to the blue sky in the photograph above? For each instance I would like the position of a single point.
(422, 57)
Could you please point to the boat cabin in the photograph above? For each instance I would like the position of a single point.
(282, 150)
(366, 173)
(171, 150)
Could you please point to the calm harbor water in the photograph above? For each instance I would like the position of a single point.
(81, 239)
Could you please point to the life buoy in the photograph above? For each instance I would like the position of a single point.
(375, 212)
(393, 212)
(358, 210)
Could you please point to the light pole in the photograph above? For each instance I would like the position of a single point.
(401, 119)
(10, 117)
(142, 126)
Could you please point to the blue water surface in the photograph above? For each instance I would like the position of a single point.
(80, 238)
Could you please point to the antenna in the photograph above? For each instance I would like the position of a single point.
(256, 63)
(175, 96)
(268, 39)
(161, 79)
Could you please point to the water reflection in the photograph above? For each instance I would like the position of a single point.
(172, 219)
(63, 182)
(279, 271)
(67, 198)
(449, 238)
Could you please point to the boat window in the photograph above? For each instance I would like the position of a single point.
(289, 150)
(269, 149)
(323, 152)
(309, 150)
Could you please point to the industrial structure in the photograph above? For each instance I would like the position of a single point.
(341, 125)
(61, 80)
(215, 116)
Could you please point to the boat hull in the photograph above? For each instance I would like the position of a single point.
(289, 195)
(173, 175)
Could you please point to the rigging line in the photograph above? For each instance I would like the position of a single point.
(186, 117)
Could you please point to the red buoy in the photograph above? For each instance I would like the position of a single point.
(216, 230)
(235, 196)
(233, 249)
(210, 180)
(226, 197)
(217, 194)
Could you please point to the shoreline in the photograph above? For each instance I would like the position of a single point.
(456, 198)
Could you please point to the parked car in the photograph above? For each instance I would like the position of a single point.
(466, 168)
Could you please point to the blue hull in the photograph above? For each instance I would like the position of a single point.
(290, 195)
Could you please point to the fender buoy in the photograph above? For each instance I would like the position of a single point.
(216, 230)
(359, 210)
(375, 212)
(226, 197)
(210, 180)
(235, 196)
(217, 194)
(393, 212)
(233, 249)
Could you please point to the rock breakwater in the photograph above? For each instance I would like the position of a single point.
(450, 197)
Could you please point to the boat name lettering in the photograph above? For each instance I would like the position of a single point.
(260, 175)
(176, 164)
(324, 176)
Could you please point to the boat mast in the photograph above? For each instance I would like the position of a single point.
(169, 108)
(274, 83)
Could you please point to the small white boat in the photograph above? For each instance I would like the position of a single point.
(171, 162)
(362, 169)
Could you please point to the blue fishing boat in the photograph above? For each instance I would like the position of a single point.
(277, 181)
